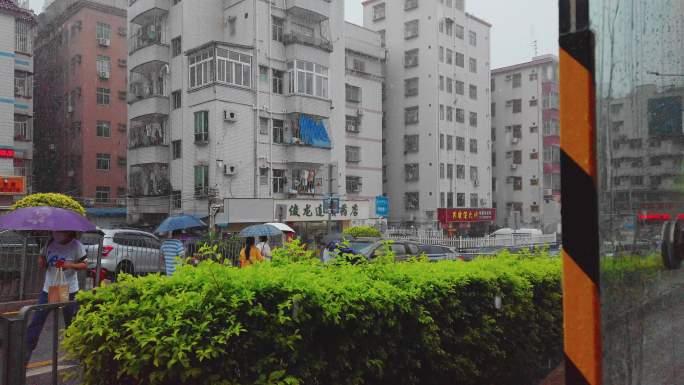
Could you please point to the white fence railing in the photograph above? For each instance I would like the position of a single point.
(465, 243)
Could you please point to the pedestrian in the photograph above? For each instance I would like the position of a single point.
(172, 248)
(264, 247)
(63, 251)
(250, 255)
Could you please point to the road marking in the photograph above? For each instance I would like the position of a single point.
(38, 364)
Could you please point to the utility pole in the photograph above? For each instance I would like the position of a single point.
(330, 197)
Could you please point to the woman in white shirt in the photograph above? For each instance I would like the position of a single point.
(263, 247)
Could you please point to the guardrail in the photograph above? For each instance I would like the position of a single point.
(465, 243)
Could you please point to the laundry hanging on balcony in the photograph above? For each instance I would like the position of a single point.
(313, 132)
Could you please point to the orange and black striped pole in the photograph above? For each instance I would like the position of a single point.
(581, 300)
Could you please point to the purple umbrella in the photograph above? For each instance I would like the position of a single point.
(45, 218)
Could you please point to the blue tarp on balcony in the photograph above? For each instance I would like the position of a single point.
(313, 132)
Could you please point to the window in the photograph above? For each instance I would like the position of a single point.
(277, 28)
(473, 200)
(450, 142)
(23, 128)
(23, 36)
(352, 123)
(493, 161)
(103, 162)
(551, 127)
(103, 31)
(441, 200)
(441, 26)
(352, 154)
(450, 200)
(517, 131)
(533, 102)
(352, 93)
(411, 87)
(308, 78)
(411, 115)
(201, 126)
(459, 87)
(358, 65)
(278, 80)
(473, 174)
(263, 74)
(449, 27)
(263, 126)
(411, 29)
(473, 119)
(102, 194)
(493, 134)
(201, 180)
(231, 68)
(450, 171)
(23, 84)
(616, 108)
(459, 31)
(103, 129)
(411, 58)
(472, 38)
(441, 112)
(459, 59)
(379, 12)
(473, 92)
(412, 200)
(493, 85)
(176, 47)
(441, 141)
(201, 68)
(449, 85)
(493, 110)
(449, 56)
(104, 66)
(449, 114)
(441, 171)
(382, 37)
(278, 131)
(176, 99)
(278, 181)
(460, 143)
(460, 171)
(460, 200)
(517, 106)
(411, 172)
(472, 65)
(176, 149)
(441, 54)
(441, 82)
(473, 146)
(411, 143)
(176, 198)
(551, 154)
(410, 4)
(103, 96)
(353, 184)
(533, 76)
(517, 80)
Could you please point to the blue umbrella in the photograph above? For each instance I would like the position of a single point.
(259, 231)
(179, 222)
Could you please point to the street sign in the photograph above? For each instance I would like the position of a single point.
(331, 205)
(381, 206)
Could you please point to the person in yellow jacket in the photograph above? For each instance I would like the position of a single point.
(249, 255)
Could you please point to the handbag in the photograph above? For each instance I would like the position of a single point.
(59, 291)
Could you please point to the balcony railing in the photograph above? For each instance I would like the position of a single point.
(23, 131)
(144, 38)
(140, 91)
(148, 135)
(298, 38)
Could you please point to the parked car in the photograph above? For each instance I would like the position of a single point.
(440, 252)
(345, 244)
(125, 250)
(402, 250)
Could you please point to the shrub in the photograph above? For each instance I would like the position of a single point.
(362, 232)
(306, 323)
(49, 199)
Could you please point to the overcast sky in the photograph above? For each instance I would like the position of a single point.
(515, 24)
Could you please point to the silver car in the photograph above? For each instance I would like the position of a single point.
(125, 250)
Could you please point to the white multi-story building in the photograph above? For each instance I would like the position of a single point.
(17, 24)
(526, 144)
(437, 138)
(248, 109)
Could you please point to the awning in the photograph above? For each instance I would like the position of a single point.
(313, 132)
(107, 212)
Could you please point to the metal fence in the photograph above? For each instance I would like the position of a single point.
(467, 243)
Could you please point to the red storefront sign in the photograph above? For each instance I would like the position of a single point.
(466, 215)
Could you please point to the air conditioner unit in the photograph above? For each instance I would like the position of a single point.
(515, 140)
(548, 192)
(359, 112)
(121, 202)
(230, 169)
(229, 116)
(104, 42)
(104, 75)
(514, 166)
(70, 109)
(509, 77)
(476, 182)
(89, 201)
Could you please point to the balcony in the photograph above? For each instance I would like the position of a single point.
(313, 41)
(149, 179)
(315, 10)
(151, 105)
(149, 132)
(141, 10)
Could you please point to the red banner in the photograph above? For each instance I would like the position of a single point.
(466, 215)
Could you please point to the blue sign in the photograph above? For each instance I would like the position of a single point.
(381, 206)
(331, 205)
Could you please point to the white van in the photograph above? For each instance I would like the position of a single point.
(508, 232)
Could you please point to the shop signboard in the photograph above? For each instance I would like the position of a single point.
(304, 210)
(466, 215)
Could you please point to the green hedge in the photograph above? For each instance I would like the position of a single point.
(303, 323)
(363, 232)
(50, 199)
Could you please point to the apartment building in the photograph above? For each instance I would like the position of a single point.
(526, 144)
(81, 103)
(17, 23)
(245, 114)
(437, 99)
